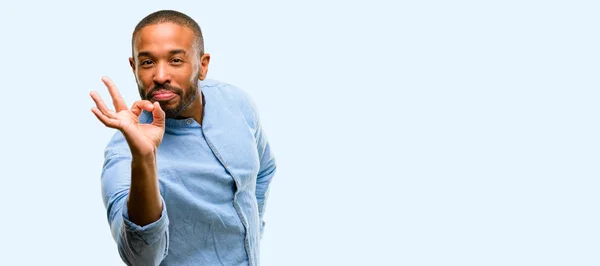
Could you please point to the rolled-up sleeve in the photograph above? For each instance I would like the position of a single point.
(137, 245)
(143, 245)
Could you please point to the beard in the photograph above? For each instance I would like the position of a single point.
(186, 98)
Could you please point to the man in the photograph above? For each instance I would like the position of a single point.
(187, 174)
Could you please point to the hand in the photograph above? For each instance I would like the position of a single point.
(143, 139)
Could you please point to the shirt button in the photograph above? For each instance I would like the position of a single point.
(188, 121)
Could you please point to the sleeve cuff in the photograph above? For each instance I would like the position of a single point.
(149, 233)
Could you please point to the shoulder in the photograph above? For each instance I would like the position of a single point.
(227, 90)
(232, 96)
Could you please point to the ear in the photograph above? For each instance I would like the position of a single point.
(204, 60)
(132, 64)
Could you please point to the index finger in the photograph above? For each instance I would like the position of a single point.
(118, 101)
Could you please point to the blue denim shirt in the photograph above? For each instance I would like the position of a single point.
(214, 181)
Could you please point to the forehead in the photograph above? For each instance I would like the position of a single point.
(164, 36)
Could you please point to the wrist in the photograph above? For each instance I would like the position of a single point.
(143, 158)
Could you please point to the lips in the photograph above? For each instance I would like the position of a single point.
(163, 95)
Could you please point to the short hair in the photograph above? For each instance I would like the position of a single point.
(170, 16)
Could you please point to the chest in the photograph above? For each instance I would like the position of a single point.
(214, 160)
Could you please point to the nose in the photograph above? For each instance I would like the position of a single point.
(162, 75)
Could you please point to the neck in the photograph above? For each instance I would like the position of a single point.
(195, 110)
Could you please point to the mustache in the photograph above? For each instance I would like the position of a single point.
(166, 87)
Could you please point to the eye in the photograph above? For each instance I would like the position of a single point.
(146, 62)
(177, 61)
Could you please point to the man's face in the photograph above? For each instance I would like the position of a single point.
(166, 66)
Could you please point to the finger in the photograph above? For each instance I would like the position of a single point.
(101, 105)
(118, 101)
(109, 122)
(158, 115)
(138, 106)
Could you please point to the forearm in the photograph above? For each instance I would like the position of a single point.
(144, 203)
(145, 234)
(147, 245)
(262, 190)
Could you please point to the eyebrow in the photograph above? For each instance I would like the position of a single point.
(172, 52)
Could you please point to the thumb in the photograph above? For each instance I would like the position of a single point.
(138, 106)
(158, 115)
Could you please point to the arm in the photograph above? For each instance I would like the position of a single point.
(265, 174)
(144, 202)
(136, 211)
(138, 244)
(267, 164)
